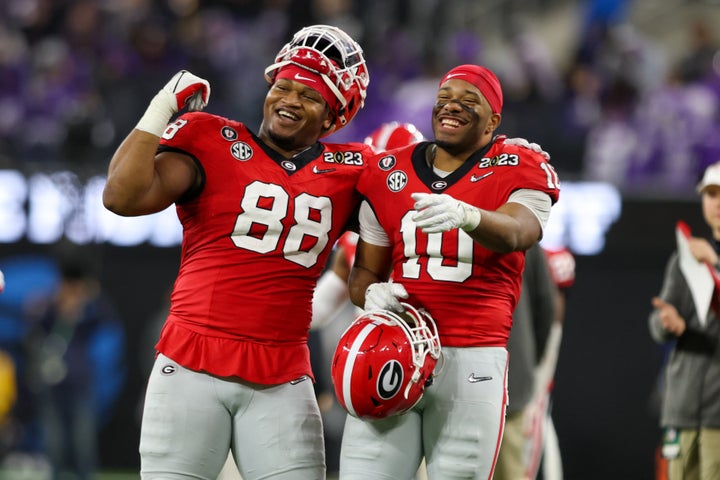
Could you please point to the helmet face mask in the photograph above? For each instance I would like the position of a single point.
(384, 361)
(337, 58)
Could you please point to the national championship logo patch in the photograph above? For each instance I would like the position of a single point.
(387, 163)
(229, 133)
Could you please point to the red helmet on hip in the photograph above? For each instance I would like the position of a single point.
(383, 362)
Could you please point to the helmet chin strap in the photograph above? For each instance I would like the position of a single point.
(423, 339)
(414, 379)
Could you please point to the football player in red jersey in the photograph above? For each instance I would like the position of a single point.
(331, 292)
(260, 213)
(448, 221)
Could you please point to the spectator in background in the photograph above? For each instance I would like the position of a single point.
(697, 64)
(532, 320)
(28, 278)
(8, 387)
(8, 394)
(543, 445)
(690, 411)
(76, 342)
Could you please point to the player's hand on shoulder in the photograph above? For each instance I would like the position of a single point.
(385, 296)
(521, 142)
(188, 90)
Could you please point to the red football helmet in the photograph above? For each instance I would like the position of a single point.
(392, 135)
(383, 362)
(336, 57)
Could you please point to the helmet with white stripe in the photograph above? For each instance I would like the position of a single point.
(384, 361)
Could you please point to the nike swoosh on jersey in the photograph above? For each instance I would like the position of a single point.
(322, 170)
(475, 379)
(300, 77)
(474, 179)
(299, 380)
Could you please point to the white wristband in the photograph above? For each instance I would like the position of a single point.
(330, 295)
(471, 219)
(158, 113)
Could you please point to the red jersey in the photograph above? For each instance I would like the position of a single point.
(469, 290)
(255, 240)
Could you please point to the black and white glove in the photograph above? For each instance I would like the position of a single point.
(521, 142)
(441, 213)
(385, 296)
(183, 90)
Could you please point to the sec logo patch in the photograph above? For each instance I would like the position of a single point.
(242, 151)
(397, 180)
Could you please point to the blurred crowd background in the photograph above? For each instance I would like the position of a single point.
(621, 92)
(617, 90)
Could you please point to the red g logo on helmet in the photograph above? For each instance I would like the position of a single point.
(390, 380)
(383, 362)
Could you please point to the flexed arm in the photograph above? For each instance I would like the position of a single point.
(139, 182)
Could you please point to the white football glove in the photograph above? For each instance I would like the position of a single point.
(385, 296)
(521, 142)
(183, 90)
(2, 282)
(441, 213)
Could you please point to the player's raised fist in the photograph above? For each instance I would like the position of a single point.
(183, 90)
(189, 91)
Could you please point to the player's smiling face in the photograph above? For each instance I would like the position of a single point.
(462, 118)
(294, 116)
